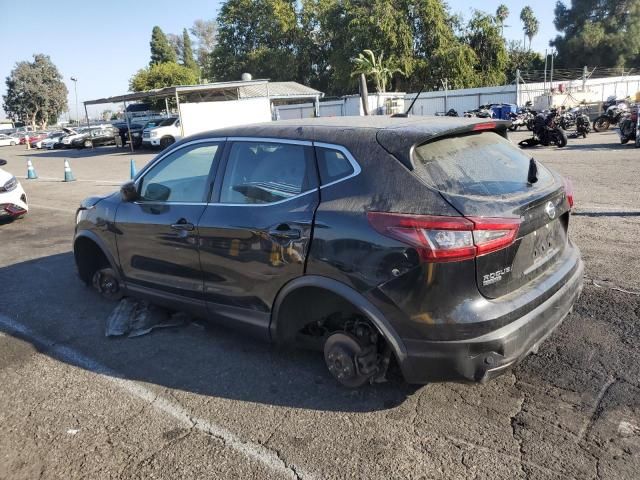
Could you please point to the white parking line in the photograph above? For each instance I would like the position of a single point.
(253, 451)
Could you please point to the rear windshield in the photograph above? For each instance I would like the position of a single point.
(479, 164)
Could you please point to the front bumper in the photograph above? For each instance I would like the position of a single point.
(488, 355)
(14, 203)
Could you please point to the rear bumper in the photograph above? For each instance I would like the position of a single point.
(488, 355)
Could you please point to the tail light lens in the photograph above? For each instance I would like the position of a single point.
(447, 239)
(568, 189)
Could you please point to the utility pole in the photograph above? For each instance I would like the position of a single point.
(546, 57)
(75, 87)
(445, 84)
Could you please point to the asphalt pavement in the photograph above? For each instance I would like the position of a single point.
(205, 402)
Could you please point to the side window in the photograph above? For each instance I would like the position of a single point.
(181, 176)
(333, 165)
(265, 172)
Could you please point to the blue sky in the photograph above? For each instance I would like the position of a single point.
(103, 44)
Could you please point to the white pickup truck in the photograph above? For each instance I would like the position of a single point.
(167, 132)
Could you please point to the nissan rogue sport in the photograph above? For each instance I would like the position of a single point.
(431, 242)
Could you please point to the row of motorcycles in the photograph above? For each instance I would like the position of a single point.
(623, 114)
(555, 126)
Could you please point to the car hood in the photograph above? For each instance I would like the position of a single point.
(4, 176)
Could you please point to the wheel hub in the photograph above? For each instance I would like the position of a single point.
(341, 354)
(105, 282)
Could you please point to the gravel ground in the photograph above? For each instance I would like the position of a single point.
(202, 402)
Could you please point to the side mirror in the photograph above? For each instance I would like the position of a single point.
(2, 163)
(129, 192)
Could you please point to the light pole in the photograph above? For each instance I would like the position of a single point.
(75, 87)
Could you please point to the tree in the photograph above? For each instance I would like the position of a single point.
(204, 32)
(522, 58)
(256, 36)
(36, 93)
(530, 24)
(598, 32)
(106, 115)
(176, 42)
(484, 37)
(502, 13)
(187, 52)
(161, 50)
(162, 75)
(376, 68)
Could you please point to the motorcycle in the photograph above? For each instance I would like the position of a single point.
(518, 120)
(614, 110)
(546, 132)
(583, 125)
(628, 129)
(483, 111)
(567, 119)
(576, 117)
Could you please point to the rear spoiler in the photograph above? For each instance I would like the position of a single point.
(400, 142)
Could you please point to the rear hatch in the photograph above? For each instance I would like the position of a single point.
(483, 175)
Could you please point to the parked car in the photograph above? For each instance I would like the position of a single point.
(54, 141)
(79, 132)
(33, 137)
(13, 199)
(95, 137)
(136, 133)
(167, 132)
(432, 241)
(6, 140)
(38, 142)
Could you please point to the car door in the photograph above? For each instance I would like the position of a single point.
(255, 235)
(157, 236)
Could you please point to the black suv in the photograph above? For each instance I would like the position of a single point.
(431, 241)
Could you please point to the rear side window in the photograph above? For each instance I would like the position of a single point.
(481, 164)
(333, 165)
(266, 172)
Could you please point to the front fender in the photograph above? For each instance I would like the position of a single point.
(102, 245)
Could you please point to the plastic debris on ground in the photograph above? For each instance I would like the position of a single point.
(135, 318)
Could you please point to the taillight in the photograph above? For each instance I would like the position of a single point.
(484, 126)
(447, 239)
(568, 190)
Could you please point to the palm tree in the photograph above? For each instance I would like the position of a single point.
(377, 68)
(530, 23)
(501, 15)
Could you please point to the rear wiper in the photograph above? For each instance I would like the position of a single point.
(532, 176)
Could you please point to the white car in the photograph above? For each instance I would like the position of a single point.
(13, 199)
(55, 139)
(66, 141)
(7, 140)
(167, 132)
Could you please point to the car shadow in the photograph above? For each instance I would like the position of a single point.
(46, 296)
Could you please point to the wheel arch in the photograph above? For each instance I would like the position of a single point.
(281, 329)
(86, 243)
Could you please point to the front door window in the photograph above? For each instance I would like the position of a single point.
(182, 176)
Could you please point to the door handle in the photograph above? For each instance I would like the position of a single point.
(183, 226)
(288, 234)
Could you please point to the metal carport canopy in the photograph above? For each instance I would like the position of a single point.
(172, 91)
(231, 90)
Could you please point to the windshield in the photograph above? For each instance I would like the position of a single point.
(166, 122)
(479, 164)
